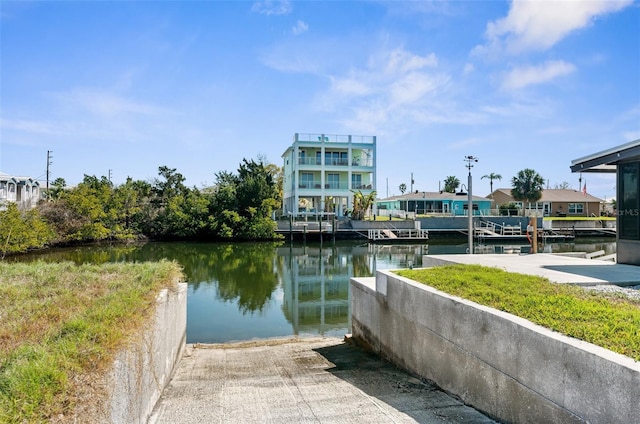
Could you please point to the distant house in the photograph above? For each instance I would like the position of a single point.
(554, 202)
(322, 171)
(424, 203)
(24, 191)
(623, 160)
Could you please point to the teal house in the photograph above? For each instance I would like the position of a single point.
(432, 203)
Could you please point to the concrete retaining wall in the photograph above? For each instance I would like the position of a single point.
(141, 372)
(501, 364)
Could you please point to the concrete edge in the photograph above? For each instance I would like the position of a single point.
(142, 371)
(543, 374)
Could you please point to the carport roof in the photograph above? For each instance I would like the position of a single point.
(606, 160)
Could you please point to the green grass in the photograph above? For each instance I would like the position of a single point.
(607, 320)
(62, 325)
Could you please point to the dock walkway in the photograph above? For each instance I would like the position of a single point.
(301, 380)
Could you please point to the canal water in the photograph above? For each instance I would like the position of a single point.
(243, 291)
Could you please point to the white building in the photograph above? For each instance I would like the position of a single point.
(25, 191)
(321, 172)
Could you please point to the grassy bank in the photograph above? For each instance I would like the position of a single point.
(607, 320)
(61, 327)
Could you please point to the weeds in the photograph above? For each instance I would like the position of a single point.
(62, 321)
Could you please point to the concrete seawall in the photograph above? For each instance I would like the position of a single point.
(501, 364)
(141, 372)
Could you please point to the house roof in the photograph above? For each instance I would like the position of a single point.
(17, 179)
(558, 195)
(606, 160)
(430, 195)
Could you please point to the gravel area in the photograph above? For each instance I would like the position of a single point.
(630, 291)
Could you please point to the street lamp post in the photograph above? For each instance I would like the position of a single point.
(470, 160)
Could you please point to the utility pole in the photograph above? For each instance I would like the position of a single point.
(49, 157)
(469, 165)
(109, 177)
(412, 182)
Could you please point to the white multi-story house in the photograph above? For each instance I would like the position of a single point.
(322, 171)
(25, 191)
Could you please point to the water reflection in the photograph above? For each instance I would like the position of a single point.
(259, 290)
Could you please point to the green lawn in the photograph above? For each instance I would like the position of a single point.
(608, 320)
(62, 325)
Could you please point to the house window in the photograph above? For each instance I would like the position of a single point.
(333, 181)
(335, 158)
(356, 181)
(306, 180)
(629, 201)
(576, 208)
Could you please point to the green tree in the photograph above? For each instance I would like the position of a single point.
(361, 203)
(57, 188)
(527, 186)
(90, 205)
(492, 176)
(451, 184)
(242, 204)
(22, 230)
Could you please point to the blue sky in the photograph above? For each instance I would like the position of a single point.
(200, 85)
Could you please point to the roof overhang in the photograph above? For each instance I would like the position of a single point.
(607, 160)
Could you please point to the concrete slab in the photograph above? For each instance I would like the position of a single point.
(557, 268)
(299, 380)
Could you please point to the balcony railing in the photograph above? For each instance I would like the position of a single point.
(334, 138)
(317, 185)
(309, 161)
(334, 162)
(362, 187)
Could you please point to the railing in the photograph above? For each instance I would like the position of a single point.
(334, 162)
(317, 185)
(309, 161)
(334, 138)
(492, 228)
(387, 234)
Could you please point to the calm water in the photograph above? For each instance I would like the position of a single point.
(260, 290)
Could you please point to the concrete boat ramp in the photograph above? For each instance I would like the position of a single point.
(301, 380)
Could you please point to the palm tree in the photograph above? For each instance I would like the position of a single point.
(362, 203)
(492, 177)
(451, 183)
(527, 186)
(403, 188)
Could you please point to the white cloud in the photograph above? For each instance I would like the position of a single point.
(350, 86)
(300, 27)
(468, 69)
(105, 104)
(521, 77)
(413, 87)
(272, 7)
(400, 60)
(538, 25)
